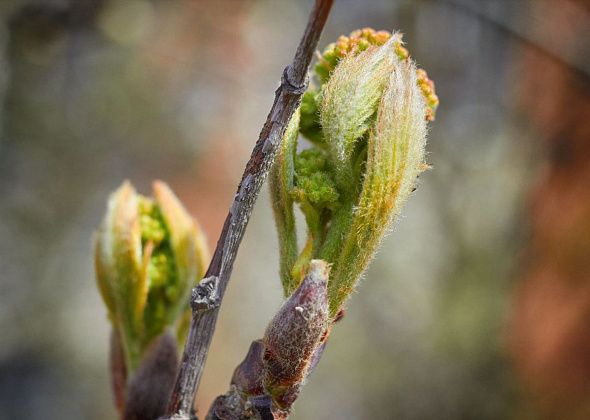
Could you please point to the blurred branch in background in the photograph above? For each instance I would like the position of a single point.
(522, 26)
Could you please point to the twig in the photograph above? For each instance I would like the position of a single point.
(207, 296)
(571, 58)
(268, 381)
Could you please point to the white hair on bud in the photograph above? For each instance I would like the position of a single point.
(394, 160)
(293, 335)
(396, 149)
(351, 96)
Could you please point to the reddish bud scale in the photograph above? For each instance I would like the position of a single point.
(149, 388)
(247, 376)
(293, 336)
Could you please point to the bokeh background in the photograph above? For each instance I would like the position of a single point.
(477, 305)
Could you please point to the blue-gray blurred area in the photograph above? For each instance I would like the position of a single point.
(93, 92)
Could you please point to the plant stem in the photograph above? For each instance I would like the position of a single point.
(207, 296)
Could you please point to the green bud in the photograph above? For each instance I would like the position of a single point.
(367, 122)
(317, 195)
(148, 255)
(310, 125)
(314, 183)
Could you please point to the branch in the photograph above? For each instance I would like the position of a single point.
(207, 296)
(571, 58)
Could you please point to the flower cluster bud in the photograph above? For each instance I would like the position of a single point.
(427, 88)
(367, 121)
(358, 41)
(148, 255)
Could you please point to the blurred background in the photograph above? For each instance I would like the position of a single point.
(476, 307)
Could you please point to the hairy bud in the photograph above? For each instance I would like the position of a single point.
(367, 121)
(293, 335)
(350, 98)
(267, 382)
(395, 158)
(358, 41)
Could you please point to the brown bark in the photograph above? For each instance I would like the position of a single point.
(207, 297)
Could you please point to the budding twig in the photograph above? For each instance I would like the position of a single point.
(208, 298)
(268, 381)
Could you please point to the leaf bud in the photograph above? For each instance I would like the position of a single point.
(148, 255)
(293, 335)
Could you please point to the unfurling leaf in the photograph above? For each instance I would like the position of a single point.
(367, 121)
(148, 255)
